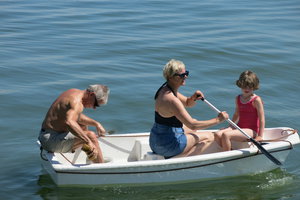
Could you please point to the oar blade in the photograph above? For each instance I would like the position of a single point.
(264, 151)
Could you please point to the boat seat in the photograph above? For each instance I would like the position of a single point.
(152, 156)
(142, 151)
(140, 147)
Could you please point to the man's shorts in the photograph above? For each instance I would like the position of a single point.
(56, 142)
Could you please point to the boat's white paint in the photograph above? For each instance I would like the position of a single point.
(130, 161)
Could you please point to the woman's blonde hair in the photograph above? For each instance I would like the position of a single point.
(248, 79)
(172, 67)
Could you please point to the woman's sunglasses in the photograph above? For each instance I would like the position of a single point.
(186, 73)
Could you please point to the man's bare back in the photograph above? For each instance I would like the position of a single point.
(56, 116)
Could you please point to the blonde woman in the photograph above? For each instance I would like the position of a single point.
(174, 132)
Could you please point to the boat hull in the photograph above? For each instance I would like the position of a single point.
(118, 171)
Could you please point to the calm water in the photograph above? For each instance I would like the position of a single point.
(47, 47)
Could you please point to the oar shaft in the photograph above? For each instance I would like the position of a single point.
(229, 120)
(212, 106)
(237, 127)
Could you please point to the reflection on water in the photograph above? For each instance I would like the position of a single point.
(50, 46)
(243, 187)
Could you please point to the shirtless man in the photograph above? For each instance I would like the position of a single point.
(65, 127)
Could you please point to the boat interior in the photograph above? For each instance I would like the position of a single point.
(124, 148)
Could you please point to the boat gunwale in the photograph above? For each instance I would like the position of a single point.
(205, 160)
(61, 171)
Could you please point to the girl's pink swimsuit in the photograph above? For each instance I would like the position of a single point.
(248, 117)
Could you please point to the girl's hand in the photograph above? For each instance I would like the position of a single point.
(258, 138)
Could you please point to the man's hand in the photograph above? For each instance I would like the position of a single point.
(100, 130)
(90, 151)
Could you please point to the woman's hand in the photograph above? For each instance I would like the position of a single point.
(197, 95)
(223, 116)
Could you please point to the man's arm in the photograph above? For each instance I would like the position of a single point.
(85, 120)
(73, 126)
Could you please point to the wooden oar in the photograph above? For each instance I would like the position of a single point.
(260, 147)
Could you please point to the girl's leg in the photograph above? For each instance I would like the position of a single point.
(219, 133)
(234, 135)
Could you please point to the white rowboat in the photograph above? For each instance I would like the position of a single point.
(129, 160)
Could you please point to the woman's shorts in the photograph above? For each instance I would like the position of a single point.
(56, 142)
(167, 141)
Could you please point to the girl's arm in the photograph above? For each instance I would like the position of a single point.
(258, 103)
(235, 117)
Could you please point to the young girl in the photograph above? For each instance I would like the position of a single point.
(249, 113)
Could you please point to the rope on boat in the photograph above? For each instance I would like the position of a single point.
(66, 158)
(41, 154)
(284, 136)
(45, 159)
